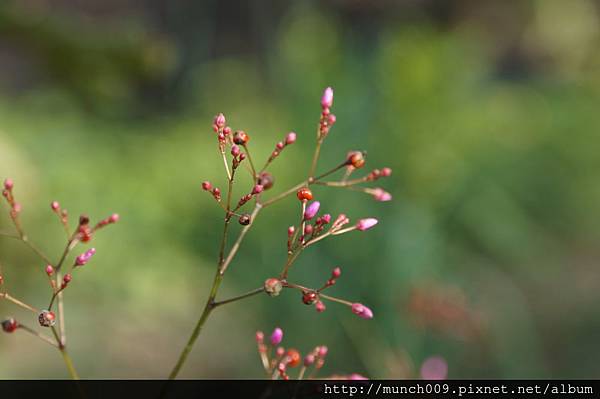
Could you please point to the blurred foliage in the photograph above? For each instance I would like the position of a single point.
(486, 111)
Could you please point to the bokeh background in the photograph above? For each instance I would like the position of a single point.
(487, 111)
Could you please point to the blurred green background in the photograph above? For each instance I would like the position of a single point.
(487, 111)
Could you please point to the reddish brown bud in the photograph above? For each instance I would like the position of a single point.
(266, 180)
(309, 297)
(244, 219)
(304, 194)
(46, 318)
(356, 159)
(10, 325)
(293, 358)
(240, 137)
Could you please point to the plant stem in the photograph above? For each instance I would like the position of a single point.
(67, 359)
(239, 297)
(7, 296)
(26, 241)
(284, 194)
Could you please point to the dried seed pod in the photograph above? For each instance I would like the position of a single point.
(47, 318)
(273, 286)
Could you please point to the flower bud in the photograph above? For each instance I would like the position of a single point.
(240, 137)
(290, 138)
(304, 194)
(219, 121)
(114, 218)
(46, 318)
(312, 210)
(362, 311)
(273, 286)
(244, 220)
(235, 150)
(85, 257)
(309, 360)
(320, 307)
(67, 278)
(385, 172)
(266, 180)
(309, 297)
(276, 336)
(381, 195)
(327, 98)
(55, 205)
(336, 273)
(356, 159)
(260, 337)
(8, 184)
(366, 224)
(293, 358)
(49, 270)
(257, 189)
(10, 325)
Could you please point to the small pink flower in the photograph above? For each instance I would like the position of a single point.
(8, 184)
(290, 138)
(381, 195)
(312, 210)
(55, 205)
(327, 99)
(49, 270)
(362, 311)
(114, 218)
(276, 336)
(366, 224)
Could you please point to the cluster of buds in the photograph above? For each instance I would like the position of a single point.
(327, 118)
(278, 360)
(15, 207)
(238, 156)
(214, 191)
(223, 131)
(290, 138)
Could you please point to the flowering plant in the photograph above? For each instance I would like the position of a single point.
(310, 229)
(48, 317)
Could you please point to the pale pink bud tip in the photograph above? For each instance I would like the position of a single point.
(308, 360)
(366, 224)
(257, 189)
(327, 99)
(276, 336)
(54, 205)
(49, 270)
(434, 368)
(356, 376)
(290, 138)
(312, 210)
(235, 150)
(320, 307)
(8, 184)
(385, 172)
(337, 272)
(382, 195)
(362, 311)
(114, 218)
(323, 351)
(220, 120)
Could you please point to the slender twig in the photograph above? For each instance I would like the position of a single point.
(14, 300)
(340, 166)
(239, 297)
(39, 335)
(67, 359)
(25, 240)
(284, 194)
(254, 175)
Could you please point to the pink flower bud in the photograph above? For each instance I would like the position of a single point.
(290, 138)
(206, 186)
(8, 184)
(291, 230)
(279, 145)
(280, 351)
(226, 131)
(257, 189)
(17, 207)
(331, 119)
(85, 257)
(362, 311)
(220, 121)
(276, 336)
(308, 229)
(260, 336)
(67, 278)
(55, 205)
(385, 172)
(235, 150)
(337, 272)
(326, 218)
(323, 351)
(309, 360)
(320, 307)
(381, 195)
(366, 224)
(114, 218)
(312, 210)
(49, 270)
(327, 99)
